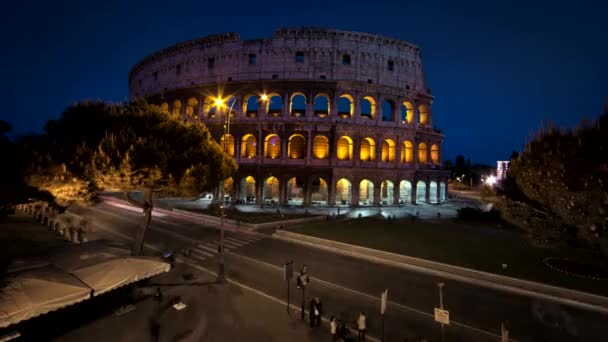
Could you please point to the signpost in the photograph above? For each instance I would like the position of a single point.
(383, 299)
(442, 316)
(504, 333)
(303, 280)
(288, 275)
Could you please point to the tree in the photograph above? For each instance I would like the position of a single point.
(460, 167)
(96, 146)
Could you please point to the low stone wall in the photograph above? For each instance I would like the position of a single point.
(67, 224)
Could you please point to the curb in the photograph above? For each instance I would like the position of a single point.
(560, 295)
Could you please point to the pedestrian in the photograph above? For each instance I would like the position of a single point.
(333, 328)
(158, 295)
(311, 313)
(318, 311)
(361, 326)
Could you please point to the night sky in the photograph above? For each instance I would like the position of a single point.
(496, 70)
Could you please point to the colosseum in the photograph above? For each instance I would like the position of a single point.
(312, 116)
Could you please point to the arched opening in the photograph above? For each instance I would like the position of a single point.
(176, 109)
(229, 190)
(247, 190)
(366, 192)
(296, 148)
(227, 144)
(435, 154)
(433, 192)
(368, 150)
(210, 107)
(321, 105)
(387, 189)
(319, 192)
(420, 192)
(320, 147)
(346, 106)
(192, 108)
(271, 190)
(368, 107)
(388, 151)
(295, 191)
(442, 189)
(343, 192)
(422, 151)
(405, 192)
(248, 146)
(407, 152)
(424, 114)
(272, 146)
(344, 148)
(407, 112)
(231, 106)
(297, 105)
(388, 109)
(164, 107)
(274, 107)
(250, 106)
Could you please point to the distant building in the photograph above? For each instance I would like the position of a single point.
(501, 169)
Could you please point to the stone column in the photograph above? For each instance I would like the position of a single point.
(379, 142)
(333, 107)
(357, 112)
(427, 195)
(237, 147)
(260, 147)
(414, 190)
(377, 193)
(438, 193)
(307, 191)
(331, 191)
(354, 196)
(310, 107)
(237, 187)
(396, 192)
(282, 191)
(286, 112)
(284, 142)
(379, 110)
(259, 189)
(309, 142)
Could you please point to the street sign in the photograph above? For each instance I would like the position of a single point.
(504, 333)
(288, 271)
(383, 297)
(442, 316)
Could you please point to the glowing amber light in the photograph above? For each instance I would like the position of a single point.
(422, 153)
(407, 152)
(264, 97)
(320, 147)
(218, 102)
(434, 154)
(367, 151)
(344, 148)
(296, 148)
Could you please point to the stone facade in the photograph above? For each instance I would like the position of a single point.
(315, 116)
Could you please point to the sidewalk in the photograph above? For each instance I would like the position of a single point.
(214, 313)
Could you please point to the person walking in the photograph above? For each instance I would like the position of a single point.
(361, 326)
(333, 328)
(311, 313)
(318, 312)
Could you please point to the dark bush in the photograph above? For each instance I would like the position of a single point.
(476, 214)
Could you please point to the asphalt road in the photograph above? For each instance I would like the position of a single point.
(347, 285)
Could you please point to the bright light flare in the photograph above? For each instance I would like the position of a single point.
(219, 102)
(491, 180)
(264, 97)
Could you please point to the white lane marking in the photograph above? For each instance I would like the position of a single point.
(236, 242)
(134, 209)
(231, 244)
(203, 252)
(251, 238)
(208, 247)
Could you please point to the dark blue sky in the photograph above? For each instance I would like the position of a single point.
(497, 68)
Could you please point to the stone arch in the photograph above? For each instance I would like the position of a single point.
(424, 114)
(296, 147)
(295, 191)
(229, 189)
(176, 109)
(422, 151)
(192, 107)
(209, 107)
(388, 111)
(227, 144)
(320, 147)
(433, 188)
(274, 105)
(405, 192)
(297, 104)
(434, 154)
(251, 105)
(343, 191)
(420, 192)
(388, 150)
(346, 106)
(366, 192)
(231, 105)
(368, 107)
(442, 192)
(407, 112)
(321, 105)
(272, 146)
(319, 192)
(407, 152)
(344, 148)
(271, 190)
(367, 152)
(164, 107)
(387, 191)
(248, 146)
(247, 189)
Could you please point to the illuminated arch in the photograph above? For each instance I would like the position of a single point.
(251, 105)
(271, 190)
(433, 188)
(405, 192)
(247, 190)
(176, 108)
(346, 106)
(229, 189)
(274, 105)
(424, 114)
(442, 190)
(320, 147)
(366, 192)
(227, 144)
(367, 152)
(343, 192)
(248, 146)
(295, 191)
(296, 147)
(297, 104)
(407, 152)
(231, 105)
(321, 105)
(319, 191)
(388, 150)
(272, 146)
(164, 107)
(387, 189)
(388, 111)
(434, 154)
(407, 112)
(344, 148)
(420, 192)
(192, 107)
(210, 108)
(368, 107)
(422, 152)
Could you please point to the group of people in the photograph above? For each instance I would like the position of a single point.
(339, 331)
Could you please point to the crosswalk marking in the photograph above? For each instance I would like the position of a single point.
(208, 249)
(249, 238)
(237, 242)
(204, 253)
(231, 244)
